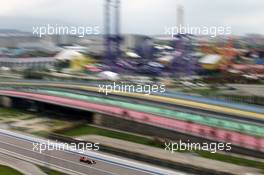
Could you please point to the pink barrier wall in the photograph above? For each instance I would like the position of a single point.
(217, 134)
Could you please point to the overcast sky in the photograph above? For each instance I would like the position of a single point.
(137, 16)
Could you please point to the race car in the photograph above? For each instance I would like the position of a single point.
(87, 160)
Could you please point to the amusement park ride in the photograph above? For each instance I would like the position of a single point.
(114, 58)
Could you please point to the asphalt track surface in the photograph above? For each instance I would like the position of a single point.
(22, 148)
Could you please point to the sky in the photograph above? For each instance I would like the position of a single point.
(137, 16)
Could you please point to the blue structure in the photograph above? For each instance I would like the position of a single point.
(184, 63)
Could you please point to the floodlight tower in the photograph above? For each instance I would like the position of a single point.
(180, 16)
(117, 28)
(107, 38)
(112, 41)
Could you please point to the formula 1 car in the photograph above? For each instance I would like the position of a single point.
(87, 160)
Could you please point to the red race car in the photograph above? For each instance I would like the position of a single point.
(87, 160)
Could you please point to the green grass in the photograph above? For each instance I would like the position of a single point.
(10, 112)
(50, 171)
(203, 92)
(5, 170)
(40, 133)
(232, 159)
(15, 113)
(87, 130)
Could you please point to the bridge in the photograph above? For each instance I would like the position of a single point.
(198, 117)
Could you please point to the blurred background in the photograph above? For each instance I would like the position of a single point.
(214, 85)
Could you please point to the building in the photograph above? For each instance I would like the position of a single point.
(130, 42)
(74, 60)
(180, 16)
(27, 63)
(211, 62)
(79, 63)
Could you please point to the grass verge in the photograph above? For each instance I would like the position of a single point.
(232, 159)
(86, 129)
(5, 170)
